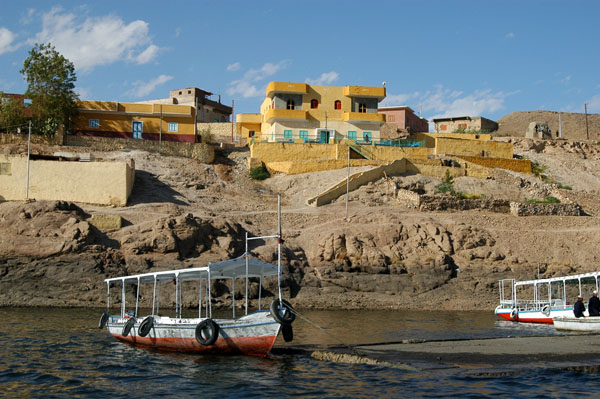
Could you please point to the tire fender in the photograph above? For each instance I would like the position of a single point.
(103, 319)
(287, 316)
(146, 326)
(128, 326)
(207, 332)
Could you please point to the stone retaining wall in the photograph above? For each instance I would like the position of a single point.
(533, 209)
(443, 203)
(202, 152)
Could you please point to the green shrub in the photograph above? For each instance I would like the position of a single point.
(260, 173)
(447, 185)
(547, 200)
(564, 186)
(538, 169)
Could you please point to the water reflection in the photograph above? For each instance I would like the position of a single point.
(61, 353)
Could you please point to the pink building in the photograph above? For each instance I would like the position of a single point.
(404, 118)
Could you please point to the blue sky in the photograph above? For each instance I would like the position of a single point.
(443, 58)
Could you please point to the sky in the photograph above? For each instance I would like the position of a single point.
(442, 58)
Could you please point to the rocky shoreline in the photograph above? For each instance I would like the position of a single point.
(387, 255)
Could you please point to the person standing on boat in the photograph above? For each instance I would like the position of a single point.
(594, 304)
(579, 307)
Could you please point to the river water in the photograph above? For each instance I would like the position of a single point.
(61, 353)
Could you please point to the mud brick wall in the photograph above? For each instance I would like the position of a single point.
(532, 209)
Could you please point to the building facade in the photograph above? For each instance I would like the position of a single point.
(299, 112)
(464, 124)
(405, 119)
(164, 122)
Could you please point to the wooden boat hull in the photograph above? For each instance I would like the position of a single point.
(254, 334)
(587, 324)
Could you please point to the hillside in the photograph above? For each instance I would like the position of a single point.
(183, 213)
(573, 124)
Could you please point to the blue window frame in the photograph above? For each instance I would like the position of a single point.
(173, 127)
(351, 134)
(94, 123)
(303, 134)
(287, 134)
(367, 136)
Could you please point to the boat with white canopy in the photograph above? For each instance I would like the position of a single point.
(250, 334)
(541, 300)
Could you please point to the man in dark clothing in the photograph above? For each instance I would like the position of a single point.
(594, 304)
(579, 307)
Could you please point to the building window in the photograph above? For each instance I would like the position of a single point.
(367, 136)
(291, 104)
(443, 127)
(362, 107)
(180, 93)
(94, 123)
(189, 92)
(5, 169)
(251, 133)
(303, 134)
(351, 134)
(314, 104)
(337, 104)
(173, 127)
(390, 118)
(287, 134)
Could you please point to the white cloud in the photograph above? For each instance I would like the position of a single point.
(83, 93)
(566, 79)
(510, 35)
(594, 104)
(246, 87)
(325, 78)
(27, 17)
(147, 55)
(234, 67)
(96, 41)
(443, 102)
(142, 89)
(6, 39)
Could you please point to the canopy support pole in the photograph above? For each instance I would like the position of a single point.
(246, 256)
(153, 296)
(137, 296)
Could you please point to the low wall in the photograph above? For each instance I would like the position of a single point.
(105, 183)
(434, 203)
(516, 165)
(16, 138)
(490, 149)
(357, 180)
(297, 167)
(202, 152)
(219, 131)
(533, 209)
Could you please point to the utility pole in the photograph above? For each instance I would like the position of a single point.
(232, 114)
(28, 153)
(587, 132)
(559, 125)
(326, 137)
(348, 182)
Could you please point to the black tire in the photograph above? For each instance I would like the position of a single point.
(103, 319)
(287, 332)
(127, 327)
(146, 326)
(546, 310)
(288, 315)
(207, 332)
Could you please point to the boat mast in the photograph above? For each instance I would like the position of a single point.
(279, 241)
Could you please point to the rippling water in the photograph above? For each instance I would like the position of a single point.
(60, 353)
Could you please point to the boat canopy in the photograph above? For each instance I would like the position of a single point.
(227, 269)
(553, 279)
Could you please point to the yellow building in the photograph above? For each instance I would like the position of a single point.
(299, 112)
(166, 122)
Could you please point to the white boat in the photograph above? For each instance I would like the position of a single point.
(251, 334)
(542, 300)
(587, 324)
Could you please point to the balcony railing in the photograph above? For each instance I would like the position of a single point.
(284, 114)
(358, 117)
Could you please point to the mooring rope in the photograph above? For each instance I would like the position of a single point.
(351, 347)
